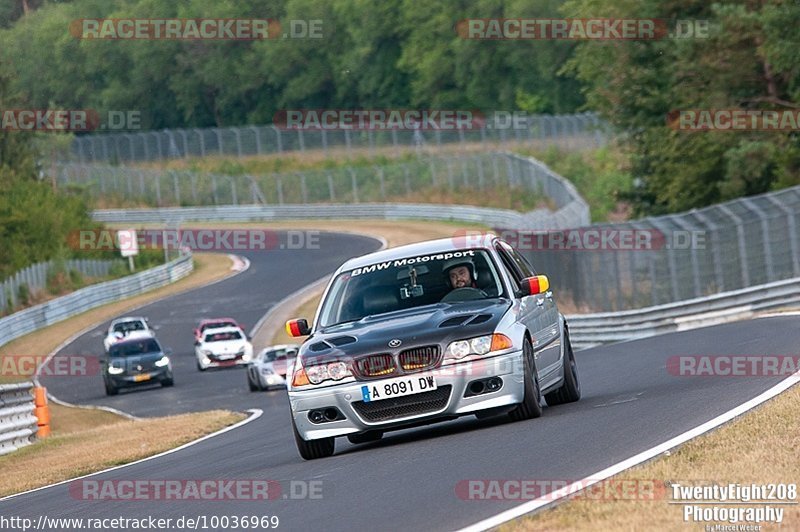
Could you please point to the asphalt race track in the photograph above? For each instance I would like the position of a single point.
(408, 480)
(273, 275)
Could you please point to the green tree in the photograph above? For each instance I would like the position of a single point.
(748, 61)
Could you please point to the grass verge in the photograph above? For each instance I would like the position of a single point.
(81, 449)
(760, 447)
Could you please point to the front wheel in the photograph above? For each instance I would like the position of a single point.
(200, 366)
(111, 389)
(530, 407)
(570, 391)
(253, 387)
(311, 450)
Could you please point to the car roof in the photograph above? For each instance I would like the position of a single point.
(127, 319)
(441, 245)
(135, 340)
(206, 321)
(218, 330)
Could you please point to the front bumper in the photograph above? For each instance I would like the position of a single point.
(146, 377)
(268, 381)
(508, 367)
(238, 360)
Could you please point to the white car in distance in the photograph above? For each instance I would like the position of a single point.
(223, 347)
(272, 367)
(127, 328)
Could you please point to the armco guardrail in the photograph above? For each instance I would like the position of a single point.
(34, 277)
(39, 316)
(594, 329)
(387, 211)
(18, 424)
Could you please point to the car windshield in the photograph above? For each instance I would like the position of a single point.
(278, 354)
(128, 326)
(223, 336)
(218, 325)
(128, 349)
(414, 281)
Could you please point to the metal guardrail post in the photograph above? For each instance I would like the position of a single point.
(683, 224)
(791, 223)
(765, 235)
(716, 252)
(738, 223)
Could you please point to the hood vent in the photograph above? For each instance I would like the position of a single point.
(455, 322)
(480, 318)
(341, 340)
(319, 346)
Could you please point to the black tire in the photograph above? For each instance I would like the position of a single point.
(365, 437)
(530, 407)
(111, 389)
(253, 387)
(200, 366)
(311, 450)
(166, 383)
(570, 391)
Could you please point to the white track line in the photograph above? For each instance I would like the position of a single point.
(545, 500)
(255, 413)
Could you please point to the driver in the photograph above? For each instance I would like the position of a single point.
(460, 273)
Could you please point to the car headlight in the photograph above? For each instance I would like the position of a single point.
(267, 371)
(115, 370)
(481, 345)
(331, 371)
(206, 352)
(164, 361)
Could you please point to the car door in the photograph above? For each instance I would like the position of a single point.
(539, 313)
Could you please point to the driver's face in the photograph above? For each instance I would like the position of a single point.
(460, 277)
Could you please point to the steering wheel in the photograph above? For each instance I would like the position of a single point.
(465, 293)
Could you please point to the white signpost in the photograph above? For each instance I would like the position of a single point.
(128, 245)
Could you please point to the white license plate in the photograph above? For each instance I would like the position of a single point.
(226, 357)
(398, 387)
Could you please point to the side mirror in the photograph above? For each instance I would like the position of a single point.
(297, 327)
(530, 286)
